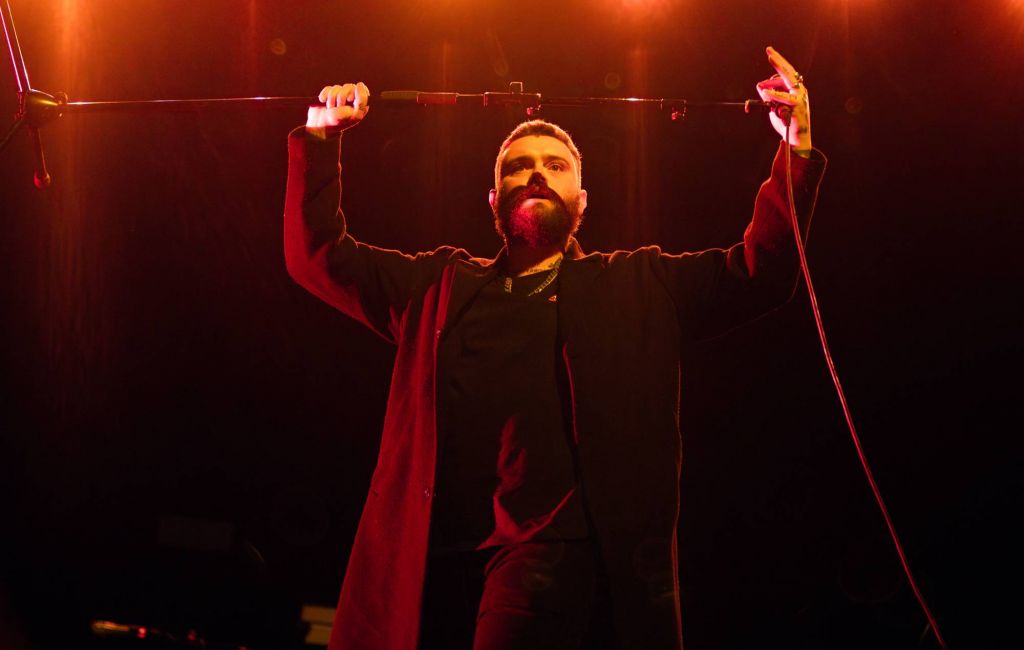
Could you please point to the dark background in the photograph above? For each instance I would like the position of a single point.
(188, 436)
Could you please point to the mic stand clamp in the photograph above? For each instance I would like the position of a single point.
(37, 109)
(515, 97)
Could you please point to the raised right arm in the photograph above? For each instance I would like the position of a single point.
(372, 285)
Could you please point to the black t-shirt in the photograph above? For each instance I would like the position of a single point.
(506, 470)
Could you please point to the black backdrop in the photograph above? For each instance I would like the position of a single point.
(188, 436)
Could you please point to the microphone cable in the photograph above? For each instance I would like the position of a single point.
(932, 623)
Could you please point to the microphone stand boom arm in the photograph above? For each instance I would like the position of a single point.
(37, 108)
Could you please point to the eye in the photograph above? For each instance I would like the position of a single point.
(557, 166)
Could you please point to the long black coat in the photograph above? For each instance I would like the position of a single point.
(623, 318)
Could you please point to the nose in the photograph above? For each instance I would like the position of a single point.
(537, 178)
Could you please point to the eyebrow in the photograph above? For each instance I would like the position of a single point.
(508, 162)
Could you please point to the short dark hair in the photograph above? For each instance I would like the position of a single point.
(539, 127)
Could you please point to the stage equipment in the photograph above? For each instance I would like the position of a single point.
(37, 108)
(161, 638)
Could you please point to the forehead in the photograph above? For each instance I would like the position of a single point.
(537, 146)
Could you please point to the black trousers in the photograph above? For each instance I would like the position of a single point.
(529, 596)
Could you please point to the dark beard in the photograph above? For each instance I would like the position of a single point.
(539, 225)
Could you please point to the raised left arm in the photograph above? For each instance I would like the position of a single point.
(716, 290)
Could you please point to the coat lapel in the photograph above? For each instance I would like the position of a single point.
(468, 278)
(575, 277)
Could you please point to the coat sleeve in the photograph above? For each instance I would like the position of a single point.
(718, 289)
(372, 285)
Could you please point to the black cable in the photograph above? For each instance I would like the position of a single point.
(842, 397)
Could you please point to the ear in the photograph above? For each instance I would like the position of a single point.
(492, 199)
(583, 201)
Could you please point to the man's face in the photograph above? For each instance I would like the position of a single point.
(538, 200)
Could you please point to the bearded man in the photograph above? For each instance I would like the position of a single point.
(526, 491)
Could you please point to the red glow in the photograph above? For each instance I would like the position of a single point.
(645, 4)
(141, 633)
(643, 13)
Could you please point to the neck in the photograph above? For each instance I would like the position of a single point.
(528, 259)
